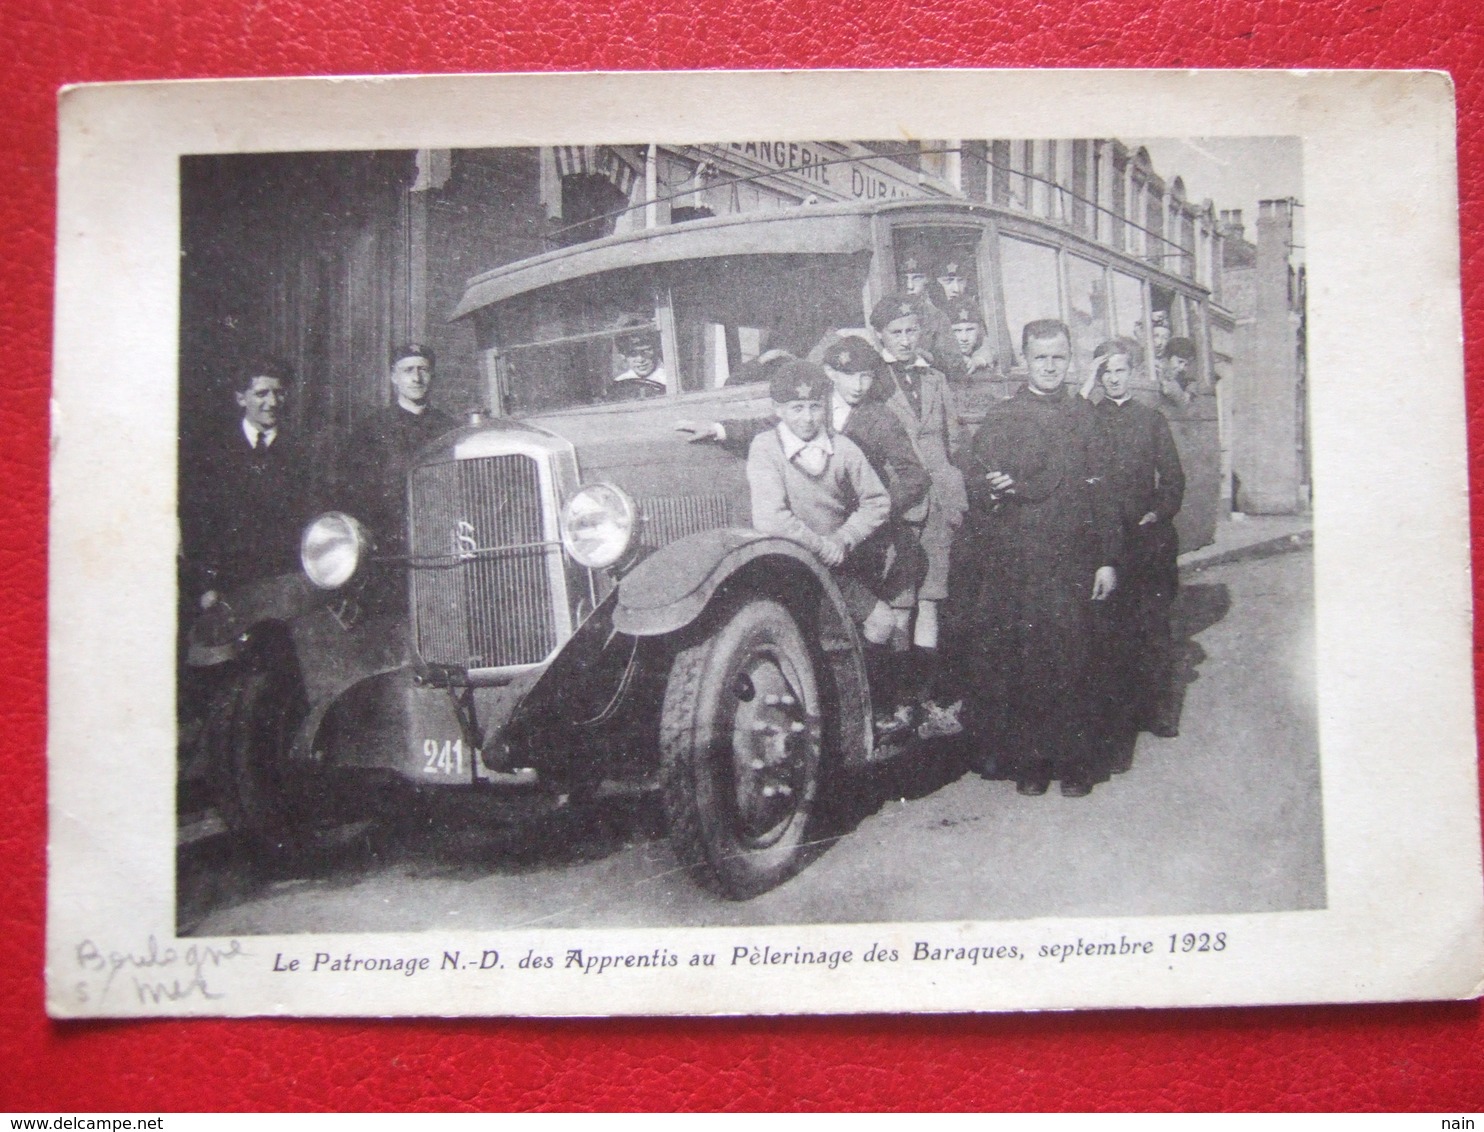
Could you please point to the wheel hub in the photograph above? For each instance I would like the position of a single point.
(773, 739)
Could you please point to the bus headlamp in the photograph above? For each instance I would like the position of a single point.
(598, 525)
(332, 548)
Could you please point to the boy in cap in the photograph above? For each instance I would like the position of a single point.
(935, 339)
(807, 485)
(918, 395)
(968, 336)
(819, 489)
(891, 562)
(638, 343)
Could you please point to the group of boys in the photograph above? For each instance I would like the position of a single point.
(858, 468)
(950, 330)
(1048, 535)
(1025, 531)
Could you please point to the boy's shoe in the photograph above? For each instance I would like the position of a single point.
(900, 722)
(939, 722)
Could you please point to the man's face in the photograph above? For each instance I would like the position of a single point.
(914, 282)
(966, 334)
(953, 284)
(1117, 373)
(412, 378)
(851, 387)
(899, 336)
(640, 357)
(260, 402)
(1048, 359)
(1161, 338)
(804, 419)
(1176, 366)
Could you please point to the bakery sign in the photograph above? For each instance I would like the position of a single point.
(830, 170)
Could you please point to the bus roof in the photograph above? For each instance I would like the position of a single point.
(840, 229)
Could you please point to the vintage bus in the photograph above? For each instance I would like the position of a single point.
(587, 607)
(719, 293)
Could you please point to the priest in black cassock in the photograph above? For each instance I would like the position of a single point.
(1032, 565)
(1147, 485)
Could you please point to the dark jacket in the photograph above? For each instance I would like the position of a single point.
(1020, 594)
(1143, 476)
(243, 511)
(373, 476)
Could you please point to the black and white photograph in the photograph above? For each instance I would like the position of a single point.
(884, 568)
(496, 460)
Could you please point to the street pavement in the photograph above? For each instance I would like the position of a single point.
(1225, 818)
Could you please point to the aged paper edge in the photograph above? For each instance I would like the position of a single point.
(1391, 526)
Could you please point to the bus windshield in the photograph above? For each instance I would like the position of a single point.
(664, 330)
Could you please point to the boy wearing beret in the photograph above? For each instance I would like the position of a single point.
(807, 485)
(818, 488)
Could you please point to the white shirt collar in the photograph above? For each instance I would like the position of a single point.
(839, 412)
(252, 432)
(412, 407)
(1124, 400)
(792, 445)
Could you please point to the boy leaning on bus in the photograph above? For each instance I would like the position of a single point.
(817, 488)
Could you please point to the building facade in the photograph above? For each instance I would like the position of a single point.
(1265, 403)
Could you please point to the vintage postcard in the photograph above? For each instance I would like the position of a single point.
(752, 543)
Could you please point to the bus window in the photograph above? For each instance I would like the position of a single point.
(728, 311)
(1087, 310)
(1030, 286)
(941, 266)
(1195, 330)
(728, 354)
(1130, 320)
(564, 346)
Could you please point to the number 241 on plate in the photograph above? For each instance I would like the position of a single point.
(446, 757)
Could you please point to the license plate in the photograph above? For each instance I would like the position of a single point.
(446, 758)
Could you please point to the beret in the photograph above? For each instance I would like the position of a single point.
(413, 350)
(891, 308)
(798, 380)
(845, 353)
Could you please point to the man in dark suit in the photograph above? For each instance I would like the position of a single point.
(375, 468)
(244, 510)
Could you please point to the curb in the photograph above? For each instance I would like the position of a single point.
(1284, 544)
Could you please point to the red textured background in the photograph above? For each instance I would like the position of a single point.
(1402, 1057)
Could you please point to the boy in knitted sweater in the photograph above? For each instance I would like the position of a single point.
(818, 488)
(808, 485)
